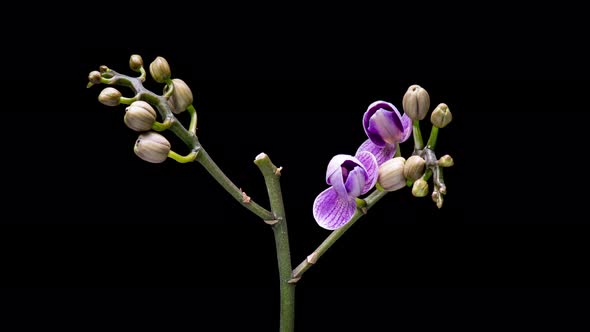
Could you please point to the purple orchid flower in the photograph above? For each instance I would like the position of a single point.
(385, 127)
(349, 178)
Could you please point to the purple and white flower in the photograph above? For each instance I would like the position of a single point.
(385, 127)
(349, 178)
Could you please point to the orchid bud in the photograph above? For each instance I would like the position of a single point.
(441, 116)
(152, 147)
(160, 70)
(420, 188)
(110, 96)
(135, 62)
(140, 116)
(446, 161)
(103, 69)
(391, 174)
(414, 168)
(181, 97)
(416, 102)
(94, 77)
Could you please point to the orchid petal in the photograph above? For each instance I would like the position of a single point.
(331, 211)
(355, 183)
(407, 126)
(381, 153)
(371, 166)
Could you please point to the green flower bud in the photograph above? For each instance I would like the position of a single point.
(441, 116)
(103, 69)
(420, 188)
(160, 70)
(140, 116)
(391, 174)
(135, 62)
(109, 96)
(446, 161)
(181, 97)
(414, 168)
(152, 147)
(94, 77)
(416, 102)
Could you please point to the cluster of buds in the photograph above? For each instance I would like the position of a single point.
(415, 172)
(141, 115)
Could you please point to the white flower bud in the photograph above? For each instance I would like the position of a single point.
(152, 147)
(391, 174)
(416, 102)
(135, 62)
(140, 116)
(160, 70)
(110, 96)
(420, 188)
(94, 77)
(441, 116)
(446, 161)
(414, 168)
(181, 97)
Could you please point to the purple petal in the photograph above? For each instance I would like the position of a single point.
(407, 124)
(335, 168)
(372, 167)
(381, 153)
(355, 183)
(374, 107)
(388, 125)
(331, 211)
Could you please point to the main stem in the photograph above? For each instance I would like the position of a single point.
(287, 289)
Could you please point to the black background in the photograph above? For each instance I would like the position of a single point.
(92, 236)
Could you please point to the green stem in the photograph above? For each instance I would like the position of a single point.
(432, 139)
(183, 159)
(193, 124)
(398, 151)
(204, 159)
(127, 101)
(418, 142)
(287, 289)
(370, 201)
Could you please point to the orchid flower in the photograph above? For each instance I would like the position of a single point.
(385, 127)
(349, 178)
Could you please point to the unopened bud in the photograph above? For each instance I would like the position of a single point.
(181, 97)
(140, 116)
(438, 199)
(110, 96)
(135, 62)
(420, 188)
(94, 77)
(414, 168)
(446, 161)
(391, 174)
(416, 102)
(441, 116)
(103, 69)
(160, 70)
(152, 147)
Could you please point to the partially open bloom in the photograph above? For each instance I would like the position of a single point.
(385, 127)
(349, 177)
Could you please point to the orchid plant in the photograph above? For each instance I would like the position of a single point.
(375, 169)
